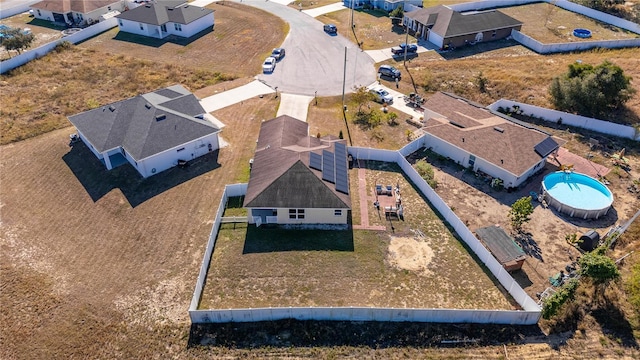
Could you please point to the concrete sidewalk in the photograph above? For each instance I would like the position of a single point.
(325, 9)
(296, 106)
(234, 96)
(398, 101)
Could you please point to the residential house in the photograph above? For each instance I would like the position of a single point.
(484, 141)
(387, 5)
(153, 132)
(165, 18)
(447, 28)
(296, 178)
(75, 12)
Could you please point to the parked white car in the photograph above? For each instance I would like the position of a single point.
(381, 96)
(269, 64)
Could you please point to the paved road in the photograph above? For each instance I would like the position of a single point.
(315, 61)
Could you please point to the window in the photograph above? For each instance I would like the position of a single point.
(494, 33)
(108, 8)
(337, 212)
(180, 149)
(141, 27)
(120, 22)
(296, 214)
(472, 160)
(163, 27)
(39, 14)
(178, 27)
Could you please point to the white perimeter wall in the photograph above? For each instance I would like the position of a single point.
(46, 48)
(549, 115)
(529, 315)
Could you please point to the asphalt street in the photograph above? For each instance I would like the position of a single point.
(315, 61)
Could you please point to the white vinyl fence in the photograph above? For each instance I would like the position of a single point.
(229, 191)
(554, 116)
(41, 51)
(529, 315)
(6, 12)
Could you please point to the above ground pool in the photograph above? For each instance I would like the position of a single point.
(582, 33)
(576, 194)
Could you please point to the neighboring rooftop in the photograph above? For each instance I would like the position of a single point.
(450, 23)
(80, 6)
(165, 11)
(284, 175)
(489, 136)
(146, 124)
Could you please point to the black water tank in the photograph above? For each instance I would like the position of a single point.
(589, 240)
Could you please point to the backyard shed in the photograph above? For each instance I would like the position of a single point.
(589, 240)
(502, 246)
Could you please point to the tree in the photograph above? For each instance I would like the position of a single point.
(426, 172)
(600, 268)
(591, 91)
(520, 211)
(397, 12)
(360, 97)
(16, 39)
(481, 82)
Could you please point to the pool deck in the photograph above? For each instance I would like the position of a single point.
(580, 164)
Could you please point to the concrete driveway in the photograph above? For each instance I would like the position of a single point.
(315, 61)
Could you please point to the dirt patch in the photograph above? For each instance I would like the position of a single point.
(410, 254)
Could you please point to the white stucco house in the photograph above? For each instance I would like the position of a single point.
(165, 18)
(75, 12)
(296, 178)
(485, 141)
(152, 132)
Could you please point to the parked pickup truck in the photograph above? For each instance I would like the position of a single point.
(399, 50)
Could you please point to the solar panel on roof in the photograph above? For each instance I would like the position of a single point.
(342, 176)
(328, 170)
(315, 161)
(546, 146)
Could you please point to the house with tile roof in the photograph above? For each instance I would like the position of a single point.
(296, 178)
(153, 132)
(75, 12)
(448, 28)
(165, 18)
(485, 141)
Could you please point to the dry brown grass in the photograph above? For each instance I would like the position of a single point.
(62, 87)
(373, 28)
(395, 268)
(242, 37)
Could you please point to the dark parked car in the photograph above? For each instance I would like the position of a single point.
(399, 50)
(278, 53)
(389, 71)
(330, 29)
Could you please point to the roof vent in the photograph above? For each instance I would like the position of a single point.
(112, 108)
(498, 129)
(147, 105)
(161, 117)
(200, 116)
(456, 124)
(148, 6)
(170, 9)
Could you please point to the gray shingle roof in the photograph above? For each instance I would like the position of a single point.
(146, 124)
(449, 23)
(164, 12)
(80, 6)
(280, 175)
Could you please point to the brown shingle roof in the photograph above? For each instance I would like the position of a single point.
(281, 176)
(490, 137)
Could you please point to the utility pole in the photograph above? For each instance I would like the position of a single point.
(344, 107)
(406, 28)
